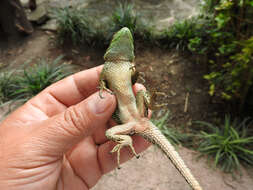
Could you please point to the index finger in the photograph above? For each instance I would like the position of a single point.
(75, 88)
(60, 95)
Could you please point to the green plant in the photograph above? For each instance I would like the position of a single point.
(173, 135)
(236, 74)
(124, 16)
(72, 24)
(229, 144)
(145, 33)
(231, 61)
(77, 27)
(209, 5)
(16, 87)
(37, 77)
(186, 35)
(6, 86)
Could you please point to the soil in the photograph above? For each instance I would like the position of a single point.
(164, 71)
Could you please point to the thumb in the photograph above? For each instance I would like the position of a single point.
(61, 132)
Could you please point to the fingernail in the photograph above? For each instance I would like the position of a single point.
(100, 105)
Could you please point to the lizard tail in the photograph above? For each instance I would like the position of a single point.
(154, 136)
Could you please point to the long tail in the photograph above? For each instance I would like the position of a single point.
(154, 136)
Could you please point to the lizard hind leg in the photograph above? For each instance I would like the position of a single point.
(121, 135)
(154, 95)
(145, 100)
(124, 140)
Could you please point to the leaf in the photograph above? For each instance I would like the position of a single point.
(226, 96)
(212, 89)
(222, 20)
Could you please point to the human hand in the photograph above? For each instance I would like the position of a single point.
(57, 139)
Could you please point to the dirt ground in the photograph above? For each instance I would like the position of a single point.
(153, 171)
(166, 72)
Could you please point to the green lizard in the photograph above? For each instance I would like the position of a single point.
(117, 77)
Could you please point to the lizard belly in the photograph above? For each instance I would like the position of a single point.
(120, 82)
(126, 104)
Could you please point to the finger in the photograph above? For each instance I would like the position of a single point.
(58, 134)
(99, 135)
(92, 169)
(83, 159)
(77, 87)
(137, 87)
(57, 97)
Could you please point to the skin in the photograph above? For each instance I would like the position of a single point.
(57, 139)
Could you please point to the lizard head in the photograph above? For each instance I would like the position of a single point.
(121, 46)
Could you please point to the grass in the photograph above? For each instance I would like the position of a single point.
(74, 26)
(172, 134)
(186, 34)
(77, 27)
(6, 86)
(23, 84)
(124, 16)
(229, 145)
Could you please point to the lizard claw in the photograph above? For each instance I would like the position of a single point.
(100, 91)
(100, 95)
(106, 89)
(111, 92)
(142, 77)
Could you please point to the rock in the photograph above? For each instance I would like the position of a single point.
(198, 91)
(67, 3)
(164, 23)
(173, 93)
(39, 15)
(24, 3)
(83, 5)
(174, 69)
(50, 25)
(41, 1)
(3, 65)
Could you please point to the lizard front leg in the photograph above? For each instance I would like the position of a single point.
(102, 83)
(121, 135)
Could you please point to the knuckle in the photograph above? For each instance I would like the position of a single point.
(76, 120)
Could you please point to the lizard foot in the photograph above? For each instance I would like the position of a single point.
(124, 141)
(142, 77)
(106, 89)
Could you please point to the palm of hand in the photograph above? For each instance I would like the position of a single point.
(54, 141)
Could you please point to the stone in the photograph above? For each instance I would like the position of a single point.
(3, 65)
(69, 3)
(173, 93)
(174, 69)
(198, 91)
(39, 15)
(41, 1)
(165, 23)
(24, 3)
(50, 25)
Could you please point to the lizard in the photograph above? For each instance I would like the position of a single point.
(117, 77)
